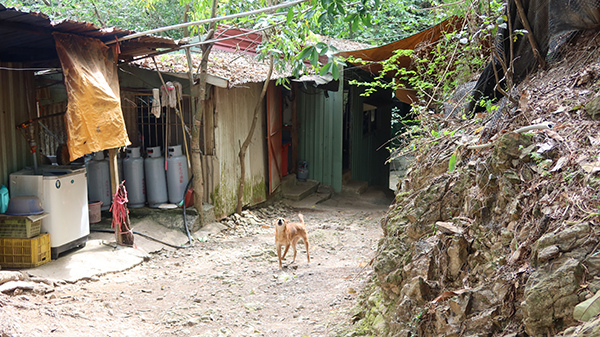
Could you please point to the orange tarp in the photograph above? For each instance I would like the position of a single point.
(378, 54)
(94, 119)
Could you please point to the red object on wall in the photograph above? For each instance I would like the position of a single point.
(189, 197)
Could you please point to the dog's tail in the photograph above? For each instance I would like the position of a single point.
(301, 218)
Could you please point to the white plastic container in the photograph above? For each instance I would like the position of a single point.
(156, 186)
(133, 174)
(177, 174)
(63, 194)
(98, 178)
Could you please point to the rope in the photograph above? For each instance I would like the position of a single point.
(120, 214)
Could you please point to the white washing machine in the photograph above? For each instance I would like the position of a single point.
(63, 194)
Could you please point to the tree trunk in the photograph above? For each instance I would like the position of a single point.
(246, 143)
(198, 105)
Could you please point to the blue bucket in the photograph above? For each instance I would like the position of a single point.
(4, 198)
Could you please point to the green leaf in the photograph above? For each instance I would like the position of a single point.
(306, 52)
(355, 24)
(452, 163)
(322, 47)
(335, 72)
(290, 16)
(331, 18)
(340, 9)
(326, 69)
(350, 17)
(587, 309)
(322, 17)
(367, 20)
(314, 57)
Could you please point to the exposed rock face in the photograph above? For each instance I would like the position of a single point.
(506, 244)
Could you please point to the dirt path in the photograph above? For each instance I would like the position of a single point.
(229, 285)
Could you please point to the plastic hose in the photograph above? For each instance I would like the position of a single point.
(187, 230)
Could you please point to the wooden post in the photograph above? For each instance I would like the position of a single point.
(114, 171)
(114, 186)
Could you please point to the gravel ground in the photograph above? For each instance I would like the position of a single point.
(228, 284)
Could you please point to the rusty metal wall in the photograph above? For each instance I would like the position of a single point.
(17, 104)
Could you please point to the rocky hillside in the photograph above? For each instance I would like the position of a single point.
(500, 239)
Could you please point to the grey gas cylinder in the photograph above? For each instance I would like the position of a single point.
(156, 179)
(98, 176)
(133, 174)
(177, 174)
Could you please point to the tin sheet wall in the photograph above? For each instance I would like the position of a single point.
(320, 134)
(233, 113)
(17, 105)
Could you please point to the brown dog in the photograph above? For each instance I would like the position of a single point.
(288, 233)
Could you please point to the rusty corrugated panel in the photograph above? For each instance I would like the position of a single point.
(244, 41)
(27, 37)
(16, 104)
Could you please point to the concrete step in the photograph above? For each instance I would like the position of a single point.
(321, 194)
(296, 190)
(355, 187)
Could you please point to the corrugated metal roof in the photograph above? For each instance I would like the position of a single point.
(376, 55)
(235, 59)
(237, 68)
(27, 37)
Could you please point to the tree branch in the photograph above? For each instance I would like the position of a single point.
(244, 146)
(530, 36)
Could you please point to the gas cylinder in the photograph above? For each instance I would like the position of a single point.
(133, 173)
(302, 171)
(99, 180)
(177, 174)
(156, 179)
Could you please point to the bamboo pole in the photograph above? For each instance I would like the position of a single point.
(213, 19)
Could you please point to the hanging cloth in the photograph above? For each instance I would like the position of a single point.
(156, 103)
(179, 89)
(94, 120)
(169, 95)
